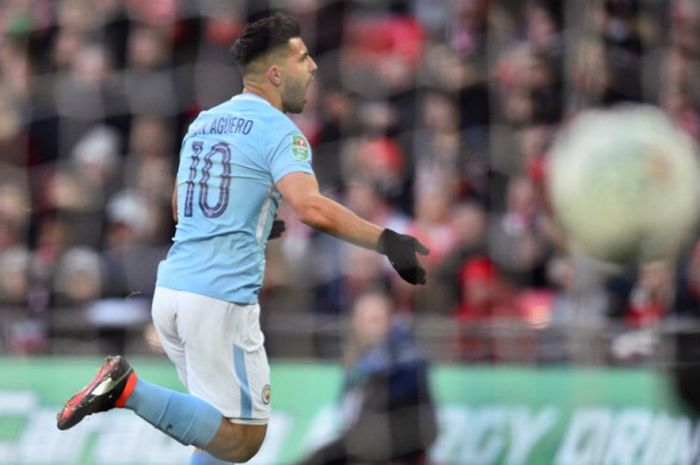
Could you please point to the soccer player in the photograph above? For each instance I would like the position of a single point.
(237, 161)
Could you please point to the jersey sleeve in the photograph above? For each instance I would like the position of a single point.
(292, 153)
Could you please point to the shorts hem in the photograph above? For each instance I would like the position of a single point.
(248, 421)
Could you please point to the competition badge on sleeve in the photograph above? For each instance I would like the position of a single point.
(300, 148)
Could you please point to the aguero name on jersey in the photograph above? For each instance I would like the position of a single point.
(231, 158)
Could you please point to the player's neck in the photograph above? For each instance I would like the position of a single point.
(274, 99)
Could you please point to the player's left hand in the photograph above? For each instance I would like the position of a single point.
(277, 229)
(401, 249)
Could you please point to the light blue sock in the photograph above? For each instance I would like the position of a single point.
(185, 418)
(201, 457)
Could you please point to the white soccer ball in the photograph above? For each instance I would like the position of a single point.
(624, 184)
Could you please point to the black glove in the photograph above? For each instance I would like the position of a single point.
(276, 230)
(401, 250)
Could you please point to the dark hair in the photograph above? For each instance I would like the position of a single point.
(263, 35)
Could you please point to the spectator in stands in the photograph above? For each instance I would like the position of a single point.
(684, 27)
(79, 279)
(579, 308)
(687, 300)
(336, 123)
(53, 239)
(469, 220)
(13, 150)
(149, 161)
(652, 296)
(364, 197)
(131, 255)
(620, 28)
(520, 239)
(485, 298)
(579, 299)
(467, 34)
(387, 406)
(83, 183)
(439, 154)
(433, 223)
(14, 277)
(88, 94)
(542, 20)
(14, 207)
(527, 86)
(148, 80)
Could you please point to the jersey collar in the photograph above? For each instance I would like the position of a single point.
(250, 96)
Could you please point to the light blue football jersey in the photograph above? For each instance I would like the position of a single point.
(231, 158)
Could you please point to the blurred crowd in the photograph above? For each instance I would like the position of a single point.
(432, 117)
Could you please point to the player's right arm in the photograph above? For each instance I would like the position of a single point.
(324, 214)
(301, 190)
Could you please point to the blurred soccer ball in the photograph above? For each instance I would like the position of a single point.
(624, 184)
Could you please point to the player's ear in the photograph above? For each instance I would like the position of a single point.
(274, 75)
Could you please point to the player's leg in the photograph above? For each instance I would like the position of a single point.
(224, 363)
(186, 418)
(235, 442)
(189, 418)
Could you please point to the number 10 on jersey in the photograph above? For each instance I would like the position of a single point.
(210, 211)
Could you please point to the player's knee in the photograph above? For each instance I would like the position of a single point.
(241, 452)
(248, 451)
(251, 446)
(244, 443)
